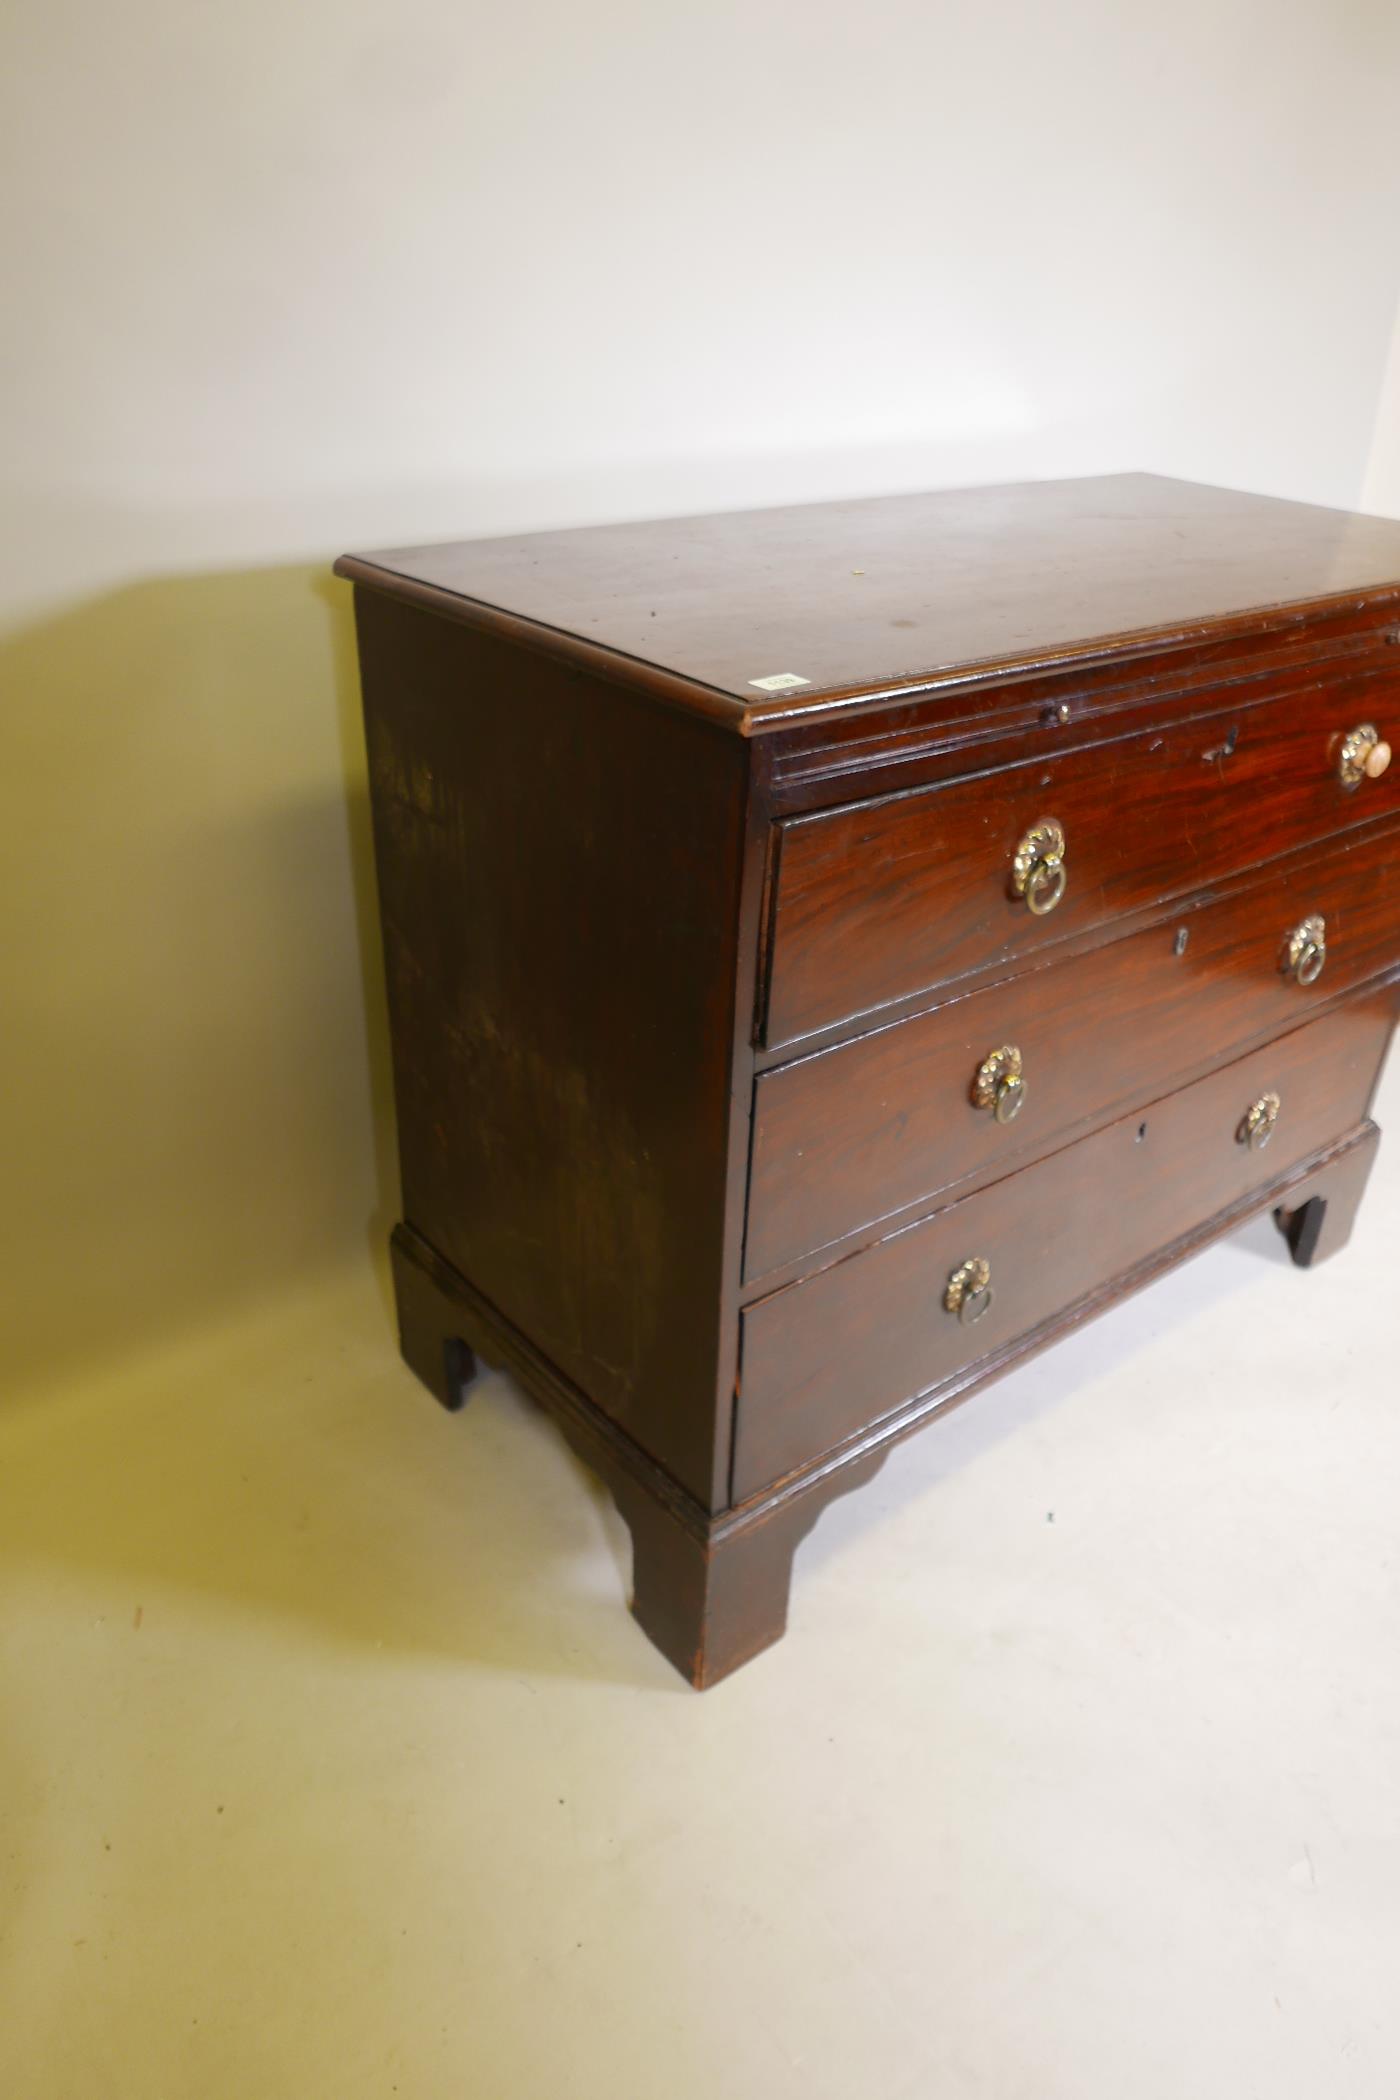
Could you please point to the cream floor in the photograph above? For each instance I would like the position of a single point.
(332, 1765)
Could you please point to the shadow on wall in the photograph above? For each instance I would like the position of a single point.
(194, 1077)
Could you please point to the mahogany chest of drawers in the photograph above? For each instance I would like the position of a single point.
(832, 951)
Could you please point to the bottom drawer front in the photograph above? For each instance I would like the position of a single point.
(825, 1358)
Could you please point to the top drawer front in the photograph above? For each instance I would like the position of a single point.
(882, 900)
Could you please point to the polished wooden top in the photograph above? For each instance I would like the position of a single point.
(891, 591)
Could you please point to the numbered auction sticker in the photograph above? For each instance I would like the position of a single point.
(780, 682)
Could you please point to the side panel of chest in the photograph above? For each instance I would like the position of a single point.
(559, 867)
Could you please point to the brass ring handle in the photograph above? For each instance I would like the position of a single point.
(1364, 755)
(969, 1292)
(1038, 870)
(1306, 953)
(1258, 1125)
(1000, 1084)
(1045, 887)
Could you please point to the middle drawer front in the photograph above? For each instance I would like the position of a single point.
(859, 1133)
(826, 1358)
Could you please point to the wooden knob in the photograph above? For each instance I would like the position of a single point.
(1363, 756)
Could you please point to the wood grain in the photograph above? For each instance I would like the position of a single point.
(861, 1132)
(823, 1358)
(559, 878)
(599, 843)
(898, 589)
(878, 900)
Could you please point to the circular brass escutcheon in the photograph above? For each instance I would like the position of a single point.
(969, 1293)
(1038, 869)
(1258, 1125)
(1000, 1084)
(1306, 954)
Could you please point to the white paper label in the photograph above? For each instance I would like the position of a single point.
(780, 682)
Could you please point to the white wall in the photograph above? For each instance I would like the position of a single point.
(287, 277)
(1382, 489)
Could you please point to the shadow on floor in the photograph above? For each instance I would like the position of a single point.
(292, 1468)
